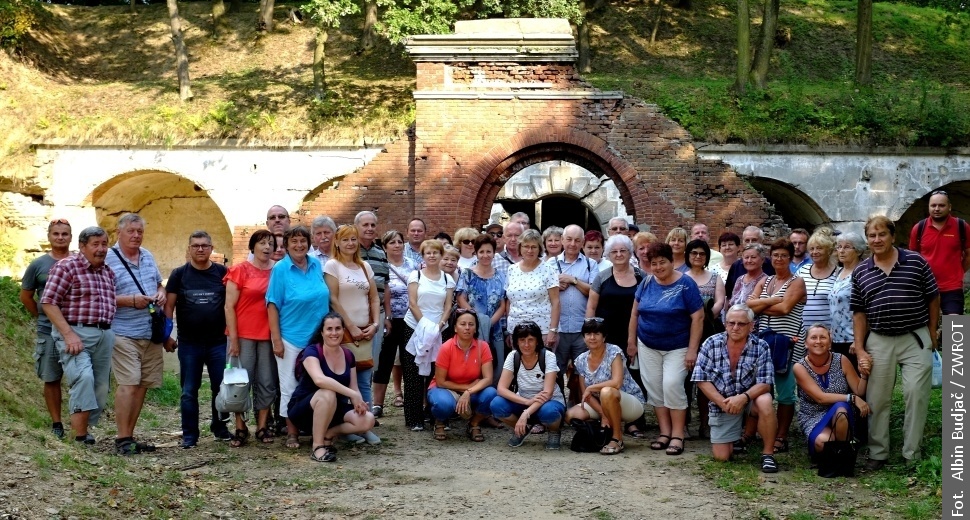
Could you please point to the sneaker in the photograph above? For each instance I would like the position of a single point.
(874, 465)
(768, 464)
(352, 438)
(371, 438)
(515, 441)
(58, 430)
(554, 441)
(222, 434)
(188, 442)
(87, 440)
(417, 428)
(377, 410)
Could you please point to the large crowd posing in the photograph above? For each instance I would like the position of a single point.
(508, 327)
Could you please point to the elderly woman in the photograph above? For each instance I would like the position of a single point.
(353, 295)
(462, 384)
(729, 245)
(851, 249)
(430, 293)
(593, 243)
(552, 241)
(711, 288)
(642, 241)
(527, 389)
(828, 387)
(395, 308)
(449, 266)
(326, 401)
(296, 300)
(677, 240)
(665, 327)
(482, 288)
(819, 276)
(752, 259)
(247, 325)
(608, 392)
(780, 300)
(464, 239)
(532, 289)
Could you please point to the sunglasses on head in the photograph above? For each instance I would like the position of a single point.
(60, 221)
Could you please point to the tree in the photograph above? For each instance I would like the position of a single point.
(863, 43)
(582, 34)
(766, 44)
(265, 22)
(181, 52)
(369, 34)
(744, 47)
(326, 15)
(218, 18)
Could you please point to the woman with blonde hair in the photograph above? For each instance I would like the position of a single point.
(464, 241)
(552, 241)
(820, 277)
(677, 240)
(353, 295)
(642, 241)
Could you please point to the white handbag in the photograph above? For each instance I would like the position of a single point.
(234, 394)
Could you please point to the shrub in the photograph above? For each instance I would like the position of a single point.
(16, 18)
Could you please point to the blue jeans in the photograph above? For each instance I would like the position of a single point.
(550, 413)
(364, 378)
(443, 403)
(191, 360)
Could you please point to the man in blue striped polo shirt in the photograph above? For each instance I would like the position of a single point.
(896, 310)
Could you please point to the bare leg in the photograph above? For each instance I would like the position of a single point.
(767, 423)
(52, 397)
(128, 403)
(79, 423)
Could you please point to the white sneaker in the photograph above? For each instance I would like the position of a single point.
(352, 438)
(371, 438)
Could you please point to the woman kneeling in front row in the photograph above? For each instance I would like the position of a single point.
(609, 393)
(531, 395)
(326, 400)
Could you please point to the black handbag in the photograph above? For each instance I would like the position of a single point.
(590, 436)
(159, 332)
(837, 458)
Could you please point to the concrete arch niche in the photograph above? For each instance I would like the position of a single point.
(172, 206)
(561, 178)
(959, 195)
(796, 208)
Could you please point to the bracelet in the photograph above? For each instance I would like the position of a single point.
(848, 398)
(133, 301)
(864, 378)
(748, 396)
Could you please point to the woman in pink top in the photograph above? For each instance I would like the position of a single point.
(247, 325)
(462, 379)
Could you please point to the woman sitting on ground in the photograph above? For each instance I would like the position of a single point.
(463, 378)
(609, 393)
(530, 394)
(326, 401)
(827, 385)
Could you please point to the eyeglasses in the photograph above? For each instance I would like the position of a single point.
(698, 253)
(844, 248)
(593, 320)
(939, 192)
(620, 252)
(619, 229)
(467, 242)
(495, 234)
(736, 324)
(463, 311)
(200, 247)
(60, 221)
(780, 256)
(277, 217)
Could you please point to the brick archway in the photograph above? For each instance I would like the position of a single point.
(506, 159)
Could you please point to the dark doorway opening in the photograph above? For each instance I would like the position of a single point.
(555, 210)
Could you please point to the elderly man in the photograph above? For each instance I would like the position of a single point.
(576, 273)
(197, 297)
(799, 240)
(521, 218)
(321, 230)
(700, 232)
(372, 253)
(136, 361)
(513, 230)
(417, 231)
(278, 220)
(942, 239)
(46, 359)
(617, 226)
(750, 235)
(895, 308)
(79, 301)
(735, 372)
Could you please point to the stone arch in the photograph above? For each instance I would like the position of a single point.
(503, 161)
(957, 191)
(796, 208)
(173, 208)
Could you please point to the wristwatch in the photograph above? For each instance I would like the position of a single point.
(553, 329)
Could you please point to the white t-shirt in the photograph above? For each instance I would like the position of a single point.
(531, 382)
(465, 263)
(431, 296)
(528, 295)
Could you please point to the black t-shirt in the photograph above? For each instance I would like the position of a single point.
(200, 304)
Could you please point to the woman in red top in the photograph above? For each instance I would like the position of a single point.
(247, 325)
(462, 378)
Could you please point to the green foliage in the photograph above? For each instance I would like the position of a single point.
(328, 13)
(16, 18)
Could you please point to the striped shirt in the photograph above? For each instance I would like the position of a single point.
(817, 296)
(897, 303)
(377, 258)
(714, 366)
(790, 324)
(84, 293)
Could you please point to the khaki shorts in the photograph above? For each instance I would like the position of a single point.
(631, 408)
(137, 362)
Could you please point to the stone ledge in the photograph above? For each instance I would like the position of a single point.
(804, 149)
(549, 95)
(235, 144)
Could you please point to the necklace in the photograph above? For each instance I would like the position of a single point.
(823, 378)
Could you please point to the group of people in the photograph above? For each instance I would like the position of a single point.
(510, 326)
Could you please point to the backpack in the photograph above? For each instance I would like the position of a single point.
(921, 227)
(517, 362)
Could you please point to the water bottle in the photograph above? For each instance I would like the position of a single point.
(937, 369)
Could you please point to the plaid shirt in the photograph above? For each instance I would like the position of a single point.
(84, 293)
(714, 366)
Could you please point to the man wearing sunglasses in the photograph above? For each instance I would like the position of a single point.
(278, 220)
(46, 360)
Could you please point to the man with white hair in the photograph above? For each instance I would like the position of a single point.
(576, 274)
(700, 232)
(321, 232)
(617, 226)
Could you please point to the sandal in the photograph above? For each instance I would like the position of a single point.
(398, 400)
(239, 438)
(475, 433)
(741, 445)
(658, 444)
(264, 435)
(781, 445)
(329, 452)
(616, 448)
(675, 450)
(635, 432)
(292, 441)
(439, 431)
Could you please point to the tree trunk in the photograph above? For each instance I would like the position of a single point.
(181, 52)
(131, 6)
(744, 47)
(582, 40)
(658, 14)
(370, 20)
(319, 72)
(218, 18)
(265, 21)
(766, 44)
(863, 43)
